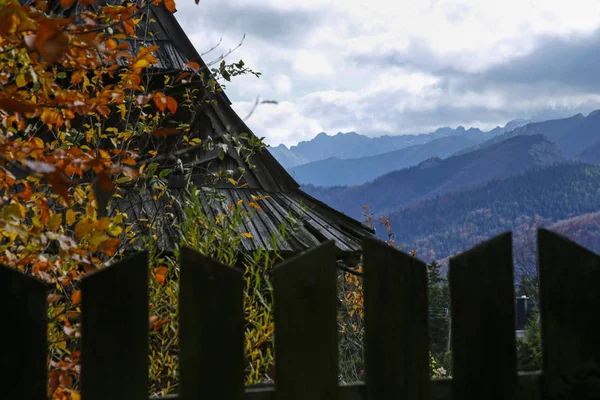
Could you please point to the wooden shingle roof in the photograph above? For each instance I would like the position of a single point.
(284, 201)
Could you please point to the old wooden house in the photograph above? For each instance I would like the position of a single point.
(307, 221)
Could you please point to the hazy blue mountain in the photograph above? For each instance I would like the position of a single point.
(353, 145)
(591, 154)
(286, 157)
(515, 123)
(435, 176)
(355, 171)
(583, 136)
(573, 135)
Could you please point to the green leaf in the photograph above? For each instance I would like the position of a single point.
(164, 173)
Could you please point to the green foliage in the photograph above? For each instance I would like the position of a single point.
(439, 310)
(529, 348)
(219, 238)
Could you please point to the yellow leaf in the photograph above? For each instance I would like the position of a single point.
(97, 238)
(54, 221)
(142, 63)
(232, 181)
(21, 81)
(84, 227)
(123, 110)
(71, 216)
(90, 211)
(247, 235)
(240, 201)
(115, 230)
(102, 224)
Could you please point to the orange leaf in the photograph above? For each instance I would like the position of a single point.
(165, 131)
(45, 212)
(110, 44)
(66, 3)
(110, 246)
(160, 274)
(159, 323)
(171, 104)
(76, 297)
(26, 193)
(253, 204)
(160, 100)
(15, 105)
(170, 4)
(193, 65)
(183, 75)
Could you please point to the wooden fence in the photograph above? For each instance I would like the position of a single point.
(115, 328)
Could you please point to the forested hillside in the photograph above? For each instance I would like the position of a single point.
(445, 225)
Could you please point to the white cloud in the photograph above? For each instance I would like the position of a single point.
(310, 62)
(279, 123)
(282, 84)
(395, 67)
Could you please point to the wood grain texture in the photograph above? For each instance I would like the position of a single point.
(114, 331)
(483, 333)
(23, 333)
(570, 316)
(396, 324)
(211, 329)
(305, 326)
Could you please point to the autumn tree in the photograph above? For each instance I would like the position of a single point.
(87, 112)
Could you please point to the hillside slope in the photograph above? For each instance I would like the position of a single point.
(356, 171)
(446, 225)
(435, 176)
(572, 135)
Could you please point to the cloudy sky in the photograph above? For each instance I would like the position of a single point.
(392, 67)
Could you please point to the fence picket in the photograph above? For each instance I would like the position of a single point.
(569, 304)
(305, 326)
(23, 333)
(396, 358)
(483, 332)
(211, 329)
(114, 336)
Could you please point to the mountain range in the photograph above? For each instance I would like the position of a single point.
(353, 145)
(477, 184)
(575, 136)
(445, 225)
(437, 176)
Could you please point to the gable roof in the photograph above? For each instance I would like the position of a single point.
(283, 196)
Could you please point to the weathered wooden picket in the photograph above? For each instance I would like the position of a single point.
(115, 328)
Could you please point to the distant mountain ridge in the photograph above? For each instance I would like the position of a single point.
(435, 177)
(353, 145)
(574, 135)
(355, 171)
